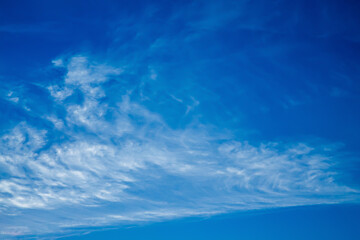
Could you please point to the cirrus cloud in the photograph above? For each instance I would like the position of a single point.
(118, 162)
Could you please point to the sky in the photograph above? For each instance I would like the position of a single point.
(179, 119)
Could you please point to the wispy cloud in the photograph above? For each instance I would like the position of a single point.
(115, 161)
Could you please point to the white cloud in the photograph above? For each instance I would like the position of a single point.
(12, 98)
(134, 167)
(58, 62)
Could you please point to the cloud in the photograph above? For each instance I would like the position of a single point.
(114, 161)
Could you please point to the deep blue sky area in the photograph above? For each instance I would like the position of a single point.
(182, 119)
(315, 222)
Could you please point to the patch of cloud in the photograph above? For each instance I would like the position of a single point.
(58, 62)
(12, 98)
(176, 98)
(153, 74)
(191, 107)
(121, 162)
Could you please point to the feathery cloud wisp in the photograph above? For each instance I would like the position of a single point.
(120, 162)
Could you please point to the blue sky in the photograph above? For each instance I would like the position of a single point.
(137, 119)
